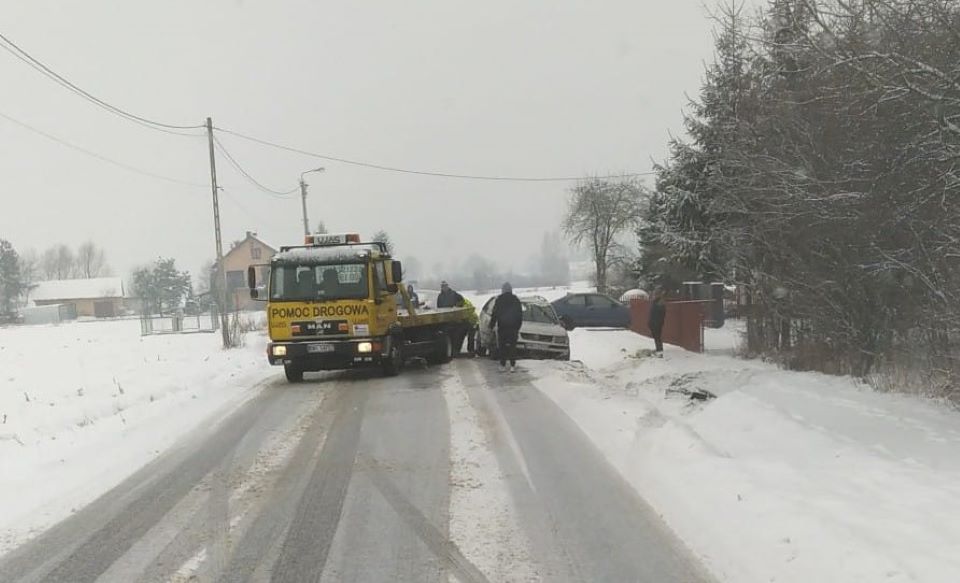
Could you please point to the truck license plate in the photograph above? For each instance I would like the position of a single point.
(314, 348)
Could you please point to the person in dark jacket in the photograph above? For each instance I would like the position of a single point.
(658, 315)
(507, 317)
(448, 298)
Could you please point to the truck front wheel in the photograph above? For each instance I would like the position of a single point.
(294, 373)
(393, 361)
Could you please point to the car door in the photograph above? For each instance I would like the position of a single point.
(573, 309)
(486, 335)
(605, 311)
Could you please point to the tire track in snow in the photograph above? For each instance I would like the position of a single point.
(483, 523)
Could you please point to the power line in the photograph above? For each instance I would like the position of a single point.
(251, 179)
(421, 172)
(38, 65)
(235, 200)
(100, 157)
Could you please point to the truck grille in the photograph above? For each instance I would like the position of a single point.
(538, 337)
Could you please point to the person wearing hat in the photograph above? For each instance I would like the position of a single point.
(448, 298)
(507, 317)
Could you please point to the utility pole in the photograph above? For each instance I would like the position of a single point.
(303, 199)
(222, 275)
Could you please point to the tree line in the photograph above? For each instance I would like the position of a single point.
(21, 272)
(820, 173)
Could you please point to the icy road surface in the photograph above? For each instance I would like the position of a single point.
(455, 473)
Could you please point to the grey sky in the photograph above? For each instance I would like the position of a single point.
(498, 87)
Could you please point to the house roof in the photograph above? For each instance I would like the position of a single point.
(78, 289)
(250, 237)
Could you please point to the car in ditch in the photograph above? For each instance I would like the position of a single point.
(577, 310)
(541, 335)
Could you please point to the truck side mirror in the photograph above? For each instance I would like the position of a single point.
(254, 293)
(252, 278)
(396, 271)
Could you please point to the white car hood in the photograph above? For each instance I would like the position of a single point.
(542, 328)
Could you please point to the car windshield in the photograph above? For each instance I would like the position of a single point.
(319, 282)
(539, 314)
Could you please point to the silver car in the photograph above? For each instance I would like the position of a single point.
(541, 335)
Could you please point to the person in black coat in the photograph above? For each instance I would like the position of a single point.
(658, 315)
(507, 317)
(448, 298)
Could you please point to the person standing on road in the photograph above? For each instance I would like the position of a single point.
(448, 298)
(658, 315)
(474, 321)
(507, 317)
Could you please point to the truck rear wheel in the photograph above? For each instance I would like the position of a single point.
(444, 350)
(294, 373)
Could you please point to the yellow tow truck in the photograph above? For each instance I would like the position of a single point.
(332, 304)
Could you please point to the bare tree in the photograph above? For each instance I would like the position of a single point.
(382, 236)
(58, 263)
(599, 211)
(91, 261)
(30, 272)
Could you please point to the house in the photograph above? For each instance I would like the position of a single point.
(100, 297)
(249, 251)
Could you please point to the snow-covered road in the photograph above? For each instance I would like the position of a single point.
(167, 459)
(454, 473)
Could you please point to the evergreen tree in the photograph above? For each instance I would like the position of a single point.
(161, 287)
(682, 225)
(11, 284)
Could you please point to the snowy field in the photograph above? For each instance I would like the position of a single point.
(85, 404)
(787, 477)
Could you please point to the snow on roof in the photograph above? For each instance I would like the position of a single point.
(336, 254)
(78, 289)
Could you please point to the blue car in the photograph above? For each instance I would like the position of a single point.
(591, 309)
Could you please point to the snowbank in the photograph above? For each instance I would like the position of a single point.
(787, 477)
(84, 405)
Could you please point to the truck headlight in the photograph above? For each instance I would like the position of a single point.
(279, 350)
(365, 347)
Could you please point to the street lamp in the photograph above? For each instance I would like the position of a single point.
(303, 198)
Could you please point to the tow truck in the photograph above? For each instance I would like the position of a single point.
(332, 304)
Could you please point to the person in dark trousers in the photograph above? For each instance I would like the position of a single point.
(658, 315)
(448, 298)
(507, 317)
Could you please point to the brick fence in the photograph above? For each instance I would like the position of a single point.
(683, 326)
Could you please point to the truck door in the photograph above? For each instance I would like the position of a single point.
(386, 303)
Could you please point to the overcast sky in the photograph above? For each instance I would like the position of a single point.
(547, 88)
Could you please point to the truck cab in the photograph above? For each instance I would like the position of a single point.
(332, 305)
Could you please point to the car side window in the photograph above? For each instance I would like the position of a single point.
(603, 302)
(578, 301)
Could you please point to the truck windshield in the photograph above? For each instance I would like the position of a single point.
(319, 282)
